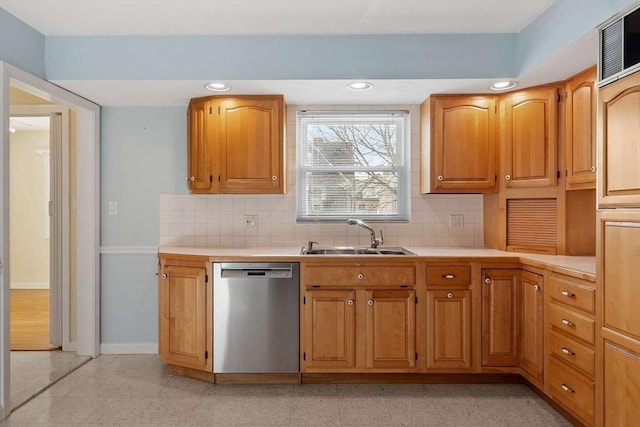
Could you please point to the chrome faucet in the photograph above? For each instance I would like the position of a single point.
(374, 241)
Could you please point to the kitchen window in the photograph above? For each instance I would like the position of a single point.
(352, 164)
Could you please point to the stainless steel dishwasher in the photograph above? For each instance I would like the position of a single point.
(256, 317)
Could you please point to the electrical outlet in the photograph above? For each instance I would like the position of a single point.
(113, 208)
(456, 221)
(251, 220)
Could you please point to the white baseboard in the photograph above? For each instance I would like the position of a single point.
(29, 285)
(129, 348)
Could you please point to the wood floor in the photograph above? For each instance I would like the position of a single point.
(30, 319)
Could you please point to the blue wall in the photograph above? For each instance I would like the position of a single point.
(281, 57)
(143, 156)
(21, 45)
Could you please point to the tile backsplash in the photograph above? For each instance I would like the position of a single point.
(221, 220)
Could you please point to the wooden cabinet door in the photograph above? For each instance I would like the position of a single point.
(329, 330)
(199, 178)
(250, 135)
(464, 137)
(182, 309)
(530, 129)
(619, 147)
(621, 385)
(500, 319)
(532, 333)
(580, 143)
(390, 329)
(620, 260)
(449, 330)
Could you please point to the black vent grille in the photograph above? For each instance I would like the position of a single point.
(611, 60)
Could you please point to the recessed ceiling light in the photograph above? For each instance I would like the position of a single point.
(359, 86)
(218, 87)
(503, 85)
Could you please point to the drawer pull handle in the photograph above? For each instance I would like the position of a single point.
(448, 276)
(370, 302)
(350, 302)
(450, 295)
(536, 288)
(164, 275)
(568, 294)
(567, 388)
(487, 281)
(566, 351)
(567, 322)
(360, 276)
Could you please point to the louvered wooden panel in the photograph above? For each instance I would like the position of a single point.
(531, 225)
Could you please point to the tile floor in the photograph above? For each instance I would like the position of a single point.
(33, 371)
(137, 390)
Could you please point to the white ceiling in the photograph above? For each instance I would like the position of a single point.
(232, 17)
(236, 17)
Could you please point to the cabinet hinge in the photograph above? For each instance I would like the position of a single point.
(210, 110)
(206, 355)
(495, 109)
(218, 109)
(304, 300)
(206, 278)
(304, 356)
(416, 355)
(558, 174)
(566, 172)
(416, 300)
(495, 178)
(218, 178)
(210, 178)
(559, 97)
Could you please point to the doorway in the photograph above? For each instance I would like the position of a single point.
(30, 233)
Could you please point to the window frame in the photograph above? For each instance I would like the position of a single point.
(401, 168)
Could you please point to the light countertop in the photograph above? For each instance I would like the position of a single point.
(580, 264)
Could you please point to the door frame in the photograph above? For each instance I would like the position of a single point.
(87, 204)
(59, 212)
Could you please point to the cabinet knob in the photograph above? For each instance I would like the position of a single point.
(593, 168)
(567, 388)
(448, 276)
(350, 302)
(567, 322)
(164, 275)
(566, 351)
(275, 178)
(487, 281)
(536, 288)
(568, 294)
(507, 177)
(450, 295)
(360, 276)
(440, 177)
(370, 302)
(193, 178)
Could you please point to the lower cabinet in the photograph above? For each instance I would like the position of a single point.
(500, 317)
(621, 384)
(449, 336)
(532, 331)
(184, 313)
(356, 330)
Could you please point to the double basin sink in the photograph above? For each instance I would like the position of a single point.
(356, 251)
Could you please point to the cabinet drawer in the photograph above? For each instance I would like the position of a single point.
(572, 323)
(573, 293)
(573, 353)
(449, 275)
(340, 275)
(572, 390)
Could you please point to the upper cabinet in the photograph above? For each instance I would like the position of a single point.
(199, 173)
(580, 143)
(530, 138)
(236, 144)
(619, 145)
(459, 144)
